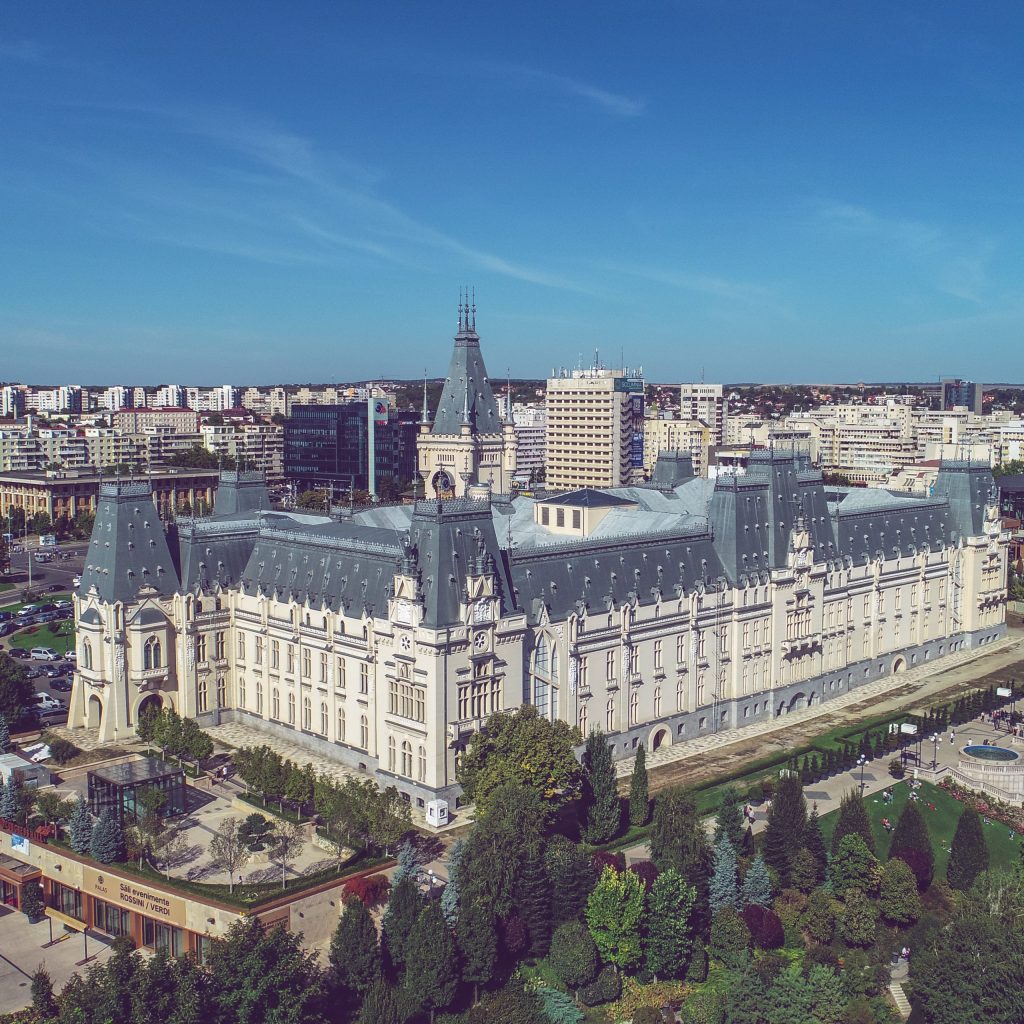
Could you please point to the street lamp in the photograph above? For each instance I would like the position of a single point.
(935, 751)
(861, 761)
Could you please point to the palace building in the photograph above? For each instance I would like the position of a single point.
(383, 638)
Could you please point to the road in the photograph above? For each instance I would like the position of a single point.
(59, 571)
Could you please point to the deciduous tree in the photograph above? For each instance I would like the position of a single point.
(228, 851)
(614, 912)
(573, 954)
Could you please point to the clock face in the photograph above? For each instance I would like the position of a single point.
(405, 644)
(480, 641)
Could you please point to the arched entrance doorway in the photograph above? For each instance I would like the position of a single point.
(796, 701)
(93, 712)
(660, 738)
(149, 705)
(899, 665)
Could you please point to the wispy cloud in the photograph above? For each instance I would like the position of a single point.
(704, 284)
(957, 266)
(610, 102)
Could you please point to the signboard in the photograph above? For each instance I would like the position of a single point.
(1004, 691)
(132, 895)
(19, 844)
(380, 411)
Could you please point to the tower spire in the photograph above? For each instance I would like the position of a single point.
(474, 307)
(465, 402)
(425, 417)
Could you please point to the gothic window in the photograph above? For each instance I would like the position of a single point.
(324, 719)
(259, 650)
(222, 692)
(291, 708)
(544, 680)
(307, 714)
(657, 654)
(151, 654)
(307, 663)
(421, 764)
(218, 646)
(609, 666)
(275, 653)
(634, 707)
(290, 655)
(391, 753)
(86, 654)
(407, 759)
(364, 732)
(680, 695)
(323, 667)
(241, 647)
(609, 715)
(340, 682)
(259, 698)
(657, 702)
(201, 647)
(680, 648)
(583, 720)
(201, 695)
(275, 705)
(700, 689)
(341, 725)
(364, 677)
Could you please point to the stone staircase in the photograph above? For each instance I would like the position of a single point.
(899, 997)
(683, 749)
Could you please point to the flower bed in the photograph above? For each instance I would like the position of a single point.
(986, 806)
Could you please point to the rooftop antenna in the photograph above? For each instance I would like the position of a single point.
(508, 392)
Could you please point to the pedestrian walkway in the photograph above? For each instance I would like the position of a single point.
(712, 741)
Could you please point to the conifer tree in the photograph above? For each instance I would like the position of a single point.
(354, 953)
(747, 845)
(600, 792)
(432, 966)
(786, 822)
(814, 843)
(968, 853)
(107, 844)
(399, 918)
(533, 901)
(912, 843)
(678, 840)
(9, 803)
(639, 796)
(478, 943)
(450, 896)
(408, 862)
(5, 736)
(572, 877)
(757, 886)
(81, 827)
(854, 867)
(722, 891)
(669, 935)
(729, 822)
(380, 1005)
(853, 818)
(898, 898)
(44, 1005)
(746, 1000)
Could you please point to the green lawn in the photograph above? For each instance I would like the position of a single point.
(1003, 852)
(42, 599)
(58, 635)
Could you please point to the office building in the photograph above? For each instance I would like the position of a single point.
(707, 403)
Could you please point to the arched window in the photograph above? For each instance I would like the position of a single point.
(583, 720)
(307, 714)
(241, 692)
(291, 708)
(544, 680)
(657, 702)
(391, 753)
(222, 692)
(86, 654)
(680, 694)
(151, 655)
(259, 698)
(324, 719)
(275, 705)
(421, 767)
(201, 695)
(364, 732)
(407, 759)
(634, 707)
(341, 726)
(609, 715)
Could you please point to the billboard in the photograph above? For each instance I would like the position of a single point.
(379, 408)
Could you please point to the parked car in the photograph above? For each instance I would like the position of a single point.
(6, 628)
(27, 609)
(62, 684)
(52, 671)
(44, 654)
(62, 605)
(76, 581)
(55, 588)
(71, 656)
(50, 607)
(48, 616)
(18, 652)
(6, 616)
(46, 702)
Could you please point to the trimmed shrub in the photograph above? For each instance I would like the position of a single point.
(573, 954)
(605, 988)
(62, 750)
(697, 968)
(647, 1015)
(764, 926)
(730, 938)
(370, 890)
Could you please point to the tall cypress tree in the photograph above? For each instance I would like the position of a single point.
(853, 818)
(432, 964)
(730, 822)
(786, 822)
(968, 853)
(5, 736)
(912, 843)
(399, 918)
(678, 840)
(600, 792)
(478, 943)
(639, 795)
(533, 901)
(354, 954)
(80, 827)
(723, 890)
(572, 877)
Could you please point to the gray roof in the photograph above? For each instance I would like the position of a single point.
(241, 492)
(671, 470)
(968, 487)
(128, 548)
(586, 497)
(467, 394)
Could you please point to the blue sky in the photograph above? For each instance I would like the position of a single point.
(263, 192)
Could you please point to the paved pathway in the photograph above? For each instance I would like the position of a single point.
(702, 744)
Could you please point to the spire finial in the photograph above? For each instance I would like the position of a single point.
(424, 419)
(465, 403)
(474, 307)
(460, 309)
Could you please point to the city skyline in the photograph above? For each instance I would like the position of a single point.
(811, 195)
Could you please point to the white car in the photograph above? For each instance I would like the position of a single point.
(61, 604)
(44, 654)
(71, 656)
(44, 702)
(76, 581)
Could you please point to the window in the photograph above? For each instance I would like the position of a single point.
(609, 666)
(867, 605)
(680, 648)
(275, 653)
(544, 514)
(559, 517)
(163, 938)
(291, 708)
(222, 692)
(577, 519)
(275, 705)
(364, 677)
(201, 695)
(340, 680)
(544, 684)
(241, 647)
(307, 714)
(391, 753)
(218, 646)
(657, 702)
(86, 654)
(421, 764)
(700, 689)
(634, 661)
(259, 698)
(657, 654)
(680, 695)
(364, 732)
(341, 725)
(582, 720)
(151, 656)
(609, 715)
(324, 719)
(66, 900)
(407, 758)
(406, 700)
(241, 692)
(323, 667)
(201, 647)
(584, 674)
(290, 657)
(634, 707)
(110, 919)
(259, 650)
(701, 645)
(307, 663)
